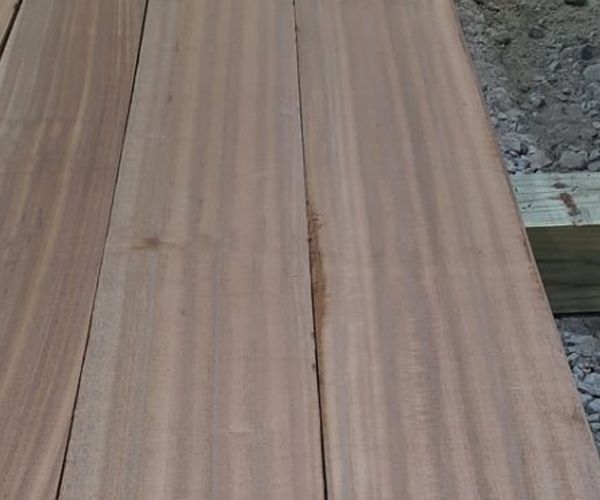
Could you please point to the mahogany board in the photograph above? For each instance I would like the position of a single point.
(200, 377)
(65, 84)
(442, 373)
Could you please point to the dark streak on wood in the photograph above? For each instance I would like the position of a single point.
(567, 199)
(319, 283)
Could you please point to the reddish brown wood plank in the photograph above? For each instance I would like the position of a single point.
(442, 374)
(65, 84)
(200, 380)
(7, 9)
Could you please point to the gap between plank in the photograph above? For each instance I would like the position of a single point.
(9, 27)
(317, 277)
(99, 273)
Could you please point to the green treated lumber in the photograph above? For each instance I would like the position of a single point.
(562, 215)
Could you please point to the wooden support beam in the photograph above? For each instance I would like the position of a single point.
(562, 215)
(65, 84)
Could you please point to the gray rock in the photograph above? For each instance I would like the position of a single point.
(573, 160)
(536, 32)
(588, 133)
(589, 52)
(586, 399)
(564, 332)
(512, 143)
(593, 90)
(593, 417)
(594, 162)
(584, 344)
(500, 37)
(592, 390)
(536, 100)
(522, 163)
(539, 159)
(591, 105)
(593, 379)
(592, 73)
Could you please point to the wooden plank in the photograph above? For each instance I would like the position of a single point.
(199, 380)
(442, 374)
(7, 10)
(569, 262)
(550, 200)
(562, 215)
(65, 84)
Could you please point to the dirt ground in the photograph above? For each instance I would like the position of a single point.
(538, 62)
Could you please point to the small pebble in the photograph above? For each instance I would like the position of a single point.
(589, 52)
(593, 417)
(592, 390)
(593, 379)
(536, 100)
(594, 406)
(592, 73)
(584, 344)
(501, 38)
(573, 160)
(594, 163)
(536, 33)
(586, 399)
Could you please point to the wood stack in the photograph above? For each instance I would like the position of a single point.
(312, 281)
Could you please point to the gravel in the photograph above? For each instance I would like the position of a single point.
(538, 62)
(594, 410)
(572, 160)
(581, 338)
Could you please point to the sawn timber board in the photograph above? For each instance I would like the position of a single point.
(7, 9)
(442, 373)
(65, 84)
(200, 377)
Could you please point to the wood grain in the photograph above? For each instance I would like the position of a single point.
(200, 380)
(65, 84)
(442, 373)
(7, 9)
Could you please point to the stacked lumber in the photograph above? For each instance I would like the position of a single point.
(312, 281)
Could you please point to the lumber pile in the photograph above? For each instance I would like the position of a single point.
(269, 269)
